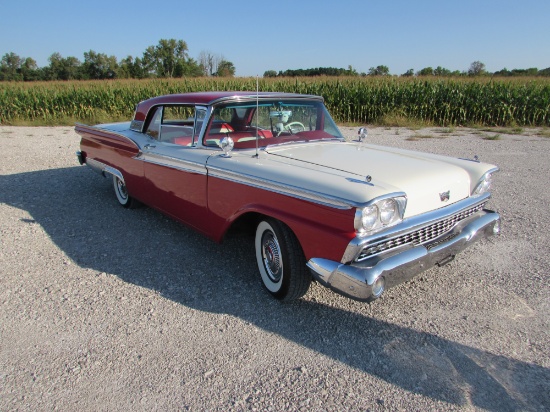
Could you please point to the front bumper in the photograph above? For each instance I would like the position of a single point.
(362, 280)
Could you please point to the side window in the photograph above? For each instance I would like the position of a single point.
(153, 130)
(178, 124)
(200, 115)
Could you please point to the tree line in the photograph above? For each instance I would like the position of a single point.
(477, 68)
(168, 59)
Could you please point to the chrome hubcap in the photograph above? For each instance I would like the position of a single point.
(271, 253)
(122, 189)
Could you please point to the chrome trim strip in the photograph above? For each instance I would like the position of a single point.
(411, 224)
(172, 162)
(253, 96)
(282, 188)
(102, 168)
(495, 169)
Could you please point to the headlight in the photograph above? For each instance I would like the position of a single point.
(484, 184)
(388, 210)
(379, 214)
(369, 217)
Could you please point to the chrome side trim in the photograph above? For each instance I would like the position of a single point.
(102, 168)
(253, 96)
(281, 188)
(173, 163)
(357, 279)
(411, 224)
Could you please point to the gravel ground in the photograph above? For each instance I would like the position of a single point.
(103, 308)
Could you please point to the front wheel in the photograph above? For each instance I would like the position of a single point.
(122, 193)
(281, 261)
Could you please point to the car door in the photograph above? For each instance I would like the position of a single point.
(175, 165)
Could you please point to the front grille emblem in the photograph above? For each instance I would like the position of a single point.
(445, 196)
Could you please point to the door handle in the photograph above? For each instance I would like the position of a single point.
(149, 146)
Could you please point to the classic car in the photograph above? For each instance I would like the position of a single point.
(356, 217)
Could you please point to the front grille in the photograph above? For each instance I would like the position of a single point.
(419, 236)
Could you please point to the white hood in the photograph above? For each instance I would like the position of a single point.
(424, 178)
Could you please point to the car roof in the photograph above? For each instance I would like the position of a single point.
(209, 98)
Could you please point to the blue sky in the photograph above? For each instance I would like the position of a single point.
(280, 34)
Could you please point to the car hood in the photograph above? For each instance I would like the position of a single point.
(424, 178)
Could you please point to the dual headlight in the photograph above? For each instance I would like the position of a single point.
(484, 184)
(379, 214)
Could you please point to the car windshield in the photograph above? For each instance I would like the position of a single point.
(271, 122)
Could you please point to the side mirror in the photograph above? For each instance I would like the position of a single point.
(363, 132)
(226, 145)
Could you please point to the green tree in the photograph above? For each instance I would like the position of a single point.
(168, 58)
(379, 71)
(131, 68)
(441, 71)
(63, 68)
(270, 73)
(408, 73)
(225, 69)
(426, 71)
(10, 67)
(99, 66)
(476, 69)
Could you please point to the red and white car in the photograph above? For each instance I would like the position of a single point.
(357, 218)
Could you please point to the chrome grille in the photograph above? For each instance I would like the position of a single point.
(419, 236)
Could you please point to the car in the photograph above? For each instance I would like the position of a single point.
(357, 218)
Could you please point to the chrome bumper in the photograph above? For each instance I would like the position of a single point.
(356, 280)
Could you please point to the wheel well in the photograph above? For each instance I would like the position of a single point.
(245, 223)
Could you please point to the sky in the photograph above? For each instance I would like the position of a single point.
(257, 36)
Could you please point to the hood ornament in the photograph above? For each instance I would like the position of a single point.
(363, 132)
(445, 196)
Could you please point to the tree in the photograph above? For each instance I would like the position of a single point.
(351, 71)
(426, 71)
(440, 71)
(270, 73)
(476, 69)
(408, 73)
(379, 71)
(10, 66)
(169, 58)
(98, 66)
(209, 62)
(61, 68)
(131, 68)
(29, 70)
(225, 69)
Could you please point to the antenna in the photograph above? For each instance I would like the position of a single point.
(257, 112)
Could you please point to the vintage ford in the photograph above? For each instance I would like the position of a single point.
(358, 218)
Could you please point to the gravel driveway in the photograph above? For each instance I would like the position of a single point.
(103, 308)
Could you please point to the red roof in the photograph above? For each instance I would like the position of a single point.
(205, 98)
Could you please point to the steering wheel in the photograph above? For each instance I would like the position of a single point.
(295, 127)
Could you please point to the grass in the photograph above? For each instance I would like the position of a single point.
(447, 130)
(421, 136)
(504, 130)
(493, 137)
(401, 120)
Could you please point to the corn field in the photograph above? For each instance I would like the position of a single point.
(441, 102)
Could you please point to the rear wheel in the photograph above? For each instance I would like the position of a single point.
(122, 193)
(281, 261)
